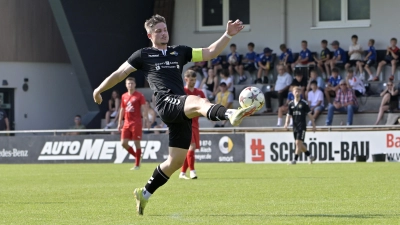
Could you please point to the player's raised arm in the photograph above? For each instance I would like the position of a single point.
(232, 28)
(117, 76)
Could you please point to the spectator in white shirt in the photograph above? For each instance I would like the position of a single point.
(315, 100)
(280, 90)
(355, 83)
(355, 51)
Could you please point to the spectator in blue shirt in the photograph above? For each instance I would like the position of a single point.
(234, 63)
(369, 60)
(264, 64)
(339, 56)
(250, 58)
(305, 56)
(333, 85)
(286, 58)
(324, 56)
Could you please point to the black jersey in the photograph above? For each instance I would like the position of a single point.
(325, 53)
(163, 69)
(299, 113)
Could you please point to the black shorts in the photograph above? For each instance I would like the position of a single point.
(299, 134)
(170, 107)
(352, 62)
(369, 62)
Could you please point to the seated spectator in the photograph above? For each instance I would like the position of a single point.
(78, 126)
(215, 64)
(209, 85)
(392, 57)
(227, 79)
(224, 98)
(355, 83)
(333, 85)
(113, 110)
(249, 60)
(264, 65)
(234, 63)
(369, 60)
(286, 57)
(200, 67)
(4, 121)
(339, 56)
(315, 101)
(345, 101)
(314, 77)
(305, 56)
(324, 56)
(280, 91)
(390, 100)
(300, 81)
(355, 53)
(284, 108)
(149, 120)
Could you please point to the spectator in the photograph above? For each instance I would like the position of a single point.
(355, 51)
(333, 85)
(224, 98)
(355, 83)
(392, 57)
(300, 81)
(284, 108)
(286, 58)
(280, 91)
(209, 85)
(200, 67)
(389, 100)
(345, 101)
(78, 126)
(369, 60)
(339, 56)
(324, 56)
(4, 121)
(305, 56)
(161, 125)
(215, 64)
(315, 101)
(264, 64)
(227, 79)
(113, 112)
(149, 120)
(234, 63)
(250, 58)
(314, 77)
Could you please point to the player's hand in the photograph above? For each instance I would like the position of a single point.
(97, 97)
(119, 127)
(233, 28)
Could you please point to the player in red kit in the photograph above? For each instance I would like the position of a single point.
(190, 80)
(132, 103)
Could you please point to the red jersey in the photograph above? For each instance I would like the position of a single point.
(197, 92)
(132, 106)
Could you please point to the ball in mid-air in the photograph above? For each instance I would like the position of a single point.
(251, 96)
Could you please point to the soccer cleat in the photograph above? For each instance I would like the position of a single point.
(183, 176)
(237, 117)
(135, 168)
(193, 175)
(140, 200)
(311, 159)
(292, 162)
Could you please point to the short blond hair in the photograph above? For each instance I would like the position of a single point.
(189, 73)
(154, 20)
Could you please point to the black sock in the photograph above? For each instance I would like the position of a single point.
(307, 153)
(157, 180)
(296, 157)
(216, 113)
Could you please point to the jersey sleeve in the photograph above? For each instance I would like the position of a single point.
(135, 60)
(142, 99)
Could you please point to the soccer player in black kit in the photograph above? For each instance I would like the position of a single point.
(299, 110)
(162, 65)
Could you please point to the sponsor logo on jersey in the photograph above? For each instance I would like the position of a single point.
(153, 55)
(174, 53)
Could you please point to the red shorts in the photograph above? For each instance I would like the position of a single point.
(132, 133)
(196, 137)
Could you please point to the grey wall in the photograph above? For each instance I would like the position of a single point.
(53, 99)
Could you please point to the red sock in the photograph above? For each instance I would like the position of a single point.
(185, 165)
(190, 159)
(130, 150)
(138, 156)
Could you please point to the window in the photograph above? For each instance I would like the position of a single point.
(213, 14)
(342, 13)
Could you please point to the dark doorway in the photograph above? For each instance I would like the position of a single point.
(7, 104)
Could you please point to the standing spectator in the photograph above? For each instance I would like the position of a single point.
(333, 85)
(390, 100)
(286, 57)
(250, 58)
(280, 91)
(209, 85)
(113, 109)
(315, 101)
(339, 56)
(234, 63)
(314, 77)
(392, 57)
(324, 56)
(305, 56)
(355, 83)
(300, 81)
(355, 52)
(345, 101)
(369, 60)
(224, 98)
(4, 121)
(264, 64)
(78, 126)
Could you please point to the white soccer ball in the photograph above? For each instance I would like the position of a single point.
(232, 59)
(252, 96)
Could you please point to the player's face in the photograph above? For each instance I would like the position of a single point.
(296, 93)
(130, 85)
(159, 34)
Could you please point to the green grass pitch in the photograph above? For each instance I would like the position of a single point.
(358, 193)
